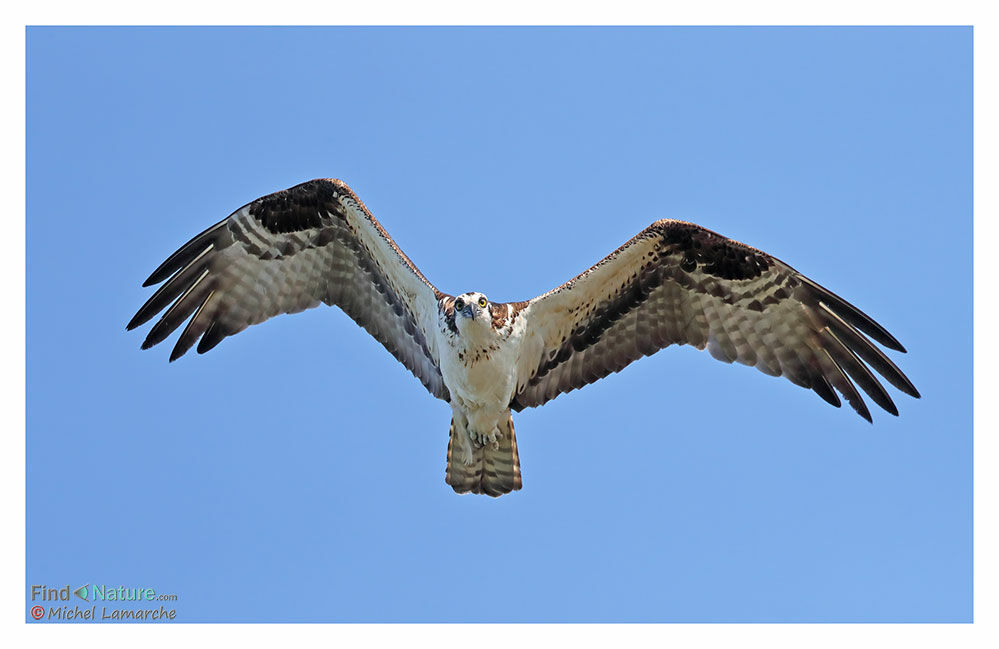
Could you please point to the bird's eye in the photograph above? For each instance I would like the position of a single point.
(482, 302)
(459, 304)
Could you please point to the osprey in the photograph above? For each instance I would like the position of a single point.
(673, 283)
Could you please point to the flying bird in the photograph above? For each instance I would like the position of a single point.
(673, 283)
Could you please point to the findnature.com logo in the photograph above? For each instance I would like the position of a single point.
(100, 593)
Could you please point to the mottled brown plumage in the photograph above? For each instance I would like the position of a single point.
(256, 264)
(673, 283)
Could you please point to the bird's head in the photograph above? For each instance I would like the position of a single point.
(472, 308)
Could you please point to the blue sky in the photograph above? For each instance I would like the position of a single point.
(296, 472)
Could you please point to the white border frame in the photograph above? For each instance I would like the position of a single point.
(512, 12)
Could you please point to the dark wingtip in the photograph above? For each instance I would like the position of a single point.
(822, 388)
(853, 315)
(212, 337)
(908, 388)
(891, 342)
(163, 271)
(865, 413)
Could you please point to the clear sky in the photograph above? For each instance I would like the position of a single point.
(296, 472)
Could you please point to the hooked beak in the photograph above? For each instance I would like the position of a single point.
(467, 311)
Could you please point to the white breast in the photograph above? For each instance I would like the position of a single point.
(479, 366)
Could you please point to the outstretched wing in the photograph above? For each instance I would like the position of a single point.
(678, 283)
(287, 252)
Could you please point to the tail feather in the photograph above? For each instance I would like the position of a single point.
(493, 472)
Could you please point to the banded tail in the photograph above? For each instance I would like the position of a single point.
(493, 472)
